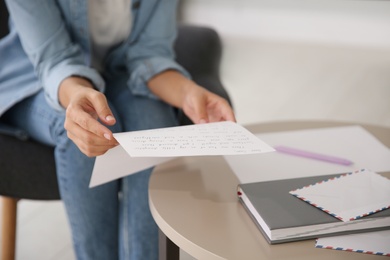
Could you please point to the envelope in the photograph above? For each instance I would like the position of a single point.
(348, 196)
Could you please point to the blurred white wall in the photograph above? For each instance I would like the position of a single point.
(302, 59)
(351, 22)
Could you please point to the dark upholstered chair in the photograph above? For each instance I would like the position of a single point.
(27, 168)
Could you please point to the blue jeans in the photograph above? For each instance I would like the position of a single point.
(113, 220)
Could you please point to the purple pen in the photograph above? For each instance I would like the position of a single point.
(312, 155)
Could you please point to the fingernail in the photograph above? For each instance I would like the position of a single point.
(110, 118)
(107, 136)
(202, 121)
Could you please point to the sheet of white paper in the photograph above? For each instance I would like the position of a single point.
(349, 196)
(140, 150)
(377, 243)
(220, 138)
(352, 142)
(116, 163)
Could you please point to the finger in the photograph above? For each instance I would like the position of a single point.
(227, 112)
(220, 110)
(200, 109)
(88, 137)
(100, 105)
(86, 121)
(91, 151)
(88, 143)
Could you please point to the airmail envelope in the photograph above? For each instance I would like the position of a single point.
(349, 196)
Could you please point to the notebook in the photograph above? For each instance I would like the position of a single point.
(282, 217)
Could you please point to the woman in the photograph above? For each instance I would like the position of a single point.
(75, 71)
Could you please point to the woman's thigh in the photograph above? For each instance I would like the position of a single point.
(136, 112)
(33, 115)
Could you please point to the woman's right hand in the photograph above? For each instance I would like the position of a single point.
(84, 107)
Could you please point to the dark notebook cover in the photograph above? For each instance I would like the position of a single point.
(279, 209)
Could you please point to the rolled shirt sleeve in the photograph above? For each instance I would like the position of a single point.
(55, 56)
(48, 45)
(150, 51)
(146, 70)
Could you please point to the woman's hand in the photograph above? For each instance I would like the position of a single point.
(199, 104)
(84, 107)
(203, 106)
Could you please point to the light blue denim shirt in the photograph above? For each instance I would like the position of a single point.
(49, 41)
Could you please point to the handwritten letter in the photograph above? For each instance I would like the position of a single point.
(221, 138)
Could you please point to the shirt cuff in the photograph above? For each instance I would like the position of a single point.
(57, 75)
(147, 69)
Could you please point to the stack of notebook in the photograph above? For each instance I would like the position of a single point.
(282, 215)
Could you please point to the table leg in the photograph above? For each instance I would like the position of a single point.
(167, 249)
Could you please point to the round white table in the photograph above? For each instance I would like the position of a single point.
(193, 201)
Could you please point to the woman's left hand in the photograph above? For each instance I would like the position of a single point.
(203, 106)
(199, 104)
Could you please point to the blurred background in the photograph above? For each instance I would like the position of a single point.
(282, 60)
(302, 59)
